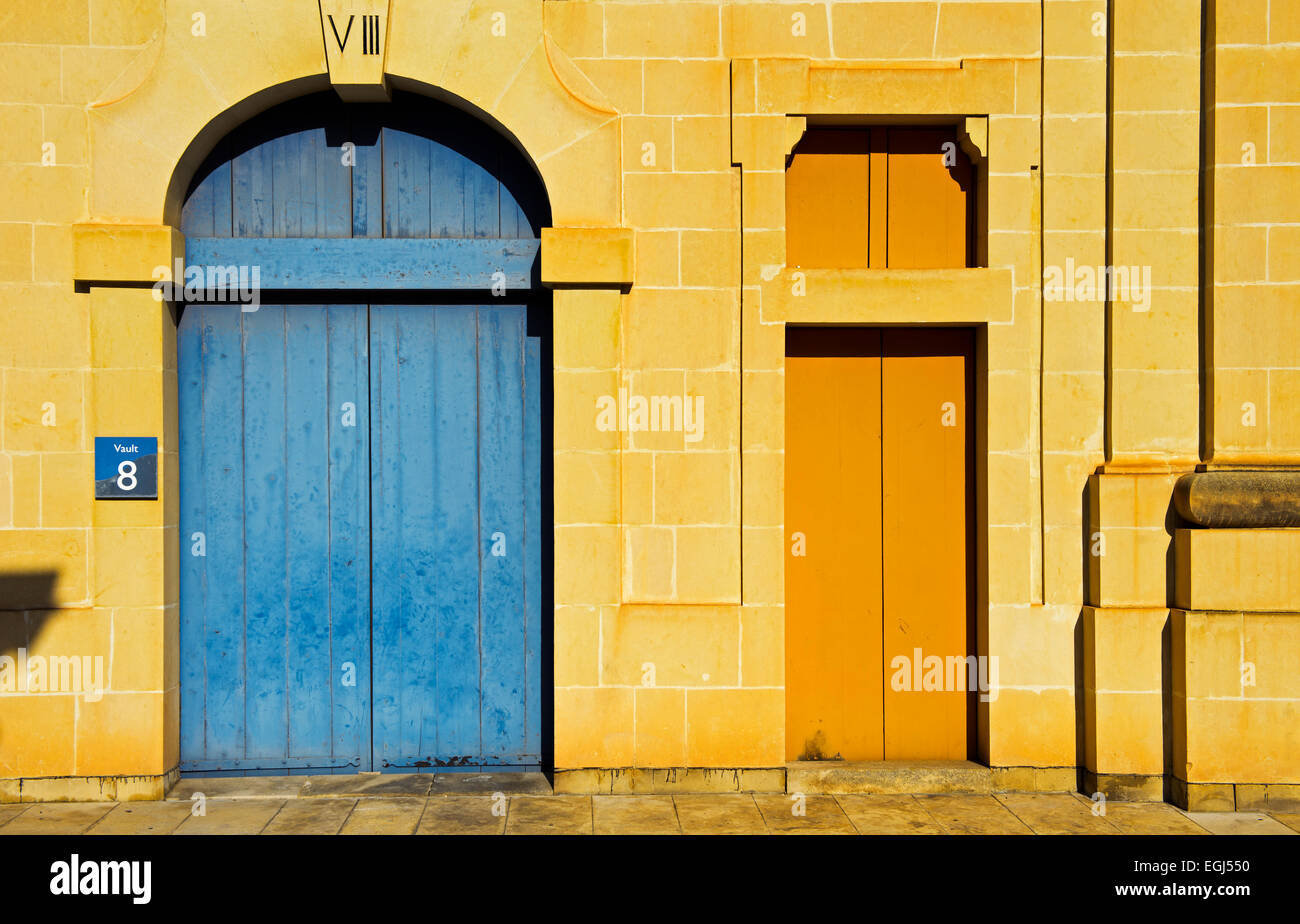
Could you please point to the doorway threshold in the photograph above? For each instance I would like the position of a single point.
(355, 785)
(895, 777)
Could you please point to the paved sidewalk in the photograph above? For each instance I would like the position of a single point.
(521, 804)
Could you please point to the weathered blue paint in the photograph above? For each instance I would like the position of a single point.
(349, 470)
(449, 615)
(372, 263)
(278, 488)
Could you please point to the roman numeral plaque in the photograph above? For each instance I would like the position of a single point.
(355, 33)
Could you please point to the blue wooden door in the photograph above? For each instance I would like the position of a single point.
(275, 512)
(360, 483)
(456, 519)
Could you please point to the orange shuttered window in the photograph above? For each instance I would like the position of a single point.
(896, 197)
(826, 199)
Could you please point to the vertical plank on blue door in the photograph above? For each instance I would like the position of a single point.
(223, 430)
(406, 184)
(448, 215)
(425, 534)
(386, 531)
(367, 181)
(514, 223)
(206, 212)
(196, 213)
(457, 542)
(482, 191)
(266, 461)
(533, 612)
(416, 662)
(222, 201)
(251, 194)
(401, 514)
(501, 529)
(319, 216)
(286, 174)
(333, 188)
(349, 530)
(193, 520)
(307, 425)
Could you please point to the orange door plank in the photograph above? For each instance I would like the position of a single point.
(826, 189)
(926, 385)
(927, 200)
(832, 498)
(878, 235)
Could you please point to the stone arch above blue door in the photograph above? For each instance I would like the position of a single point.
(361, 456)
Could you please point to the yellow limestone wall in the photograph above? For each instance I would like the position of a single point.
(661, 131)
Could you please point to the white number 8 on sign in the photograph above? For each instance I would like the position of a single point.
(126, 479)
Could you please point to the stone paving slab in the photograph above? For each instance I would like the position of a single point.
(888, 814)
(886, 777)
(1290, 819)
(549, 815)
(232, 816)
(311, 816)
(351, 786)
(959, 814)
(12, 810)
(721, 814)
(634, 815)
(1237, 823)
(463, 815)
(397, 815)
(237, 787)
(818, 815)
(1056, 813)
(142, 818)
(1150, 818)
(57, 818)
(512, 784)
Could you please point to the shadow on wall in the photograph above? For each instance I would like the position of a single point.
(1172, 522)
(1080, 709)
(27, 606)
(1080, 675)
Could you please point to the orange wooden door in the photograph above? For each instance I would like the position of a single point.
(832, 517)
(878, 481)
(926, 444)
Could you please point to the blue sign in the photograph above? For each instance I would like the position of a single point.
(126, 468)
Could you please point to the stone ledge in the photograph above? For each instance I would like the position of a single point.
(1035, 779)
(587, 257)
(124, 253)
(88, 788)
(1235, 797)
(1125, 787)
(670, 780)
(889, 777)
(356, 785)
(1239, 499)
(969, 295)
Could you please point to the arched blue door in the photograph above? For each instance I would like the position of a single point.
(361, 577)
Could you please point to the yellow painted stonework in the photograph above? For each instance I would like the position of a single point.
(661, 131)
